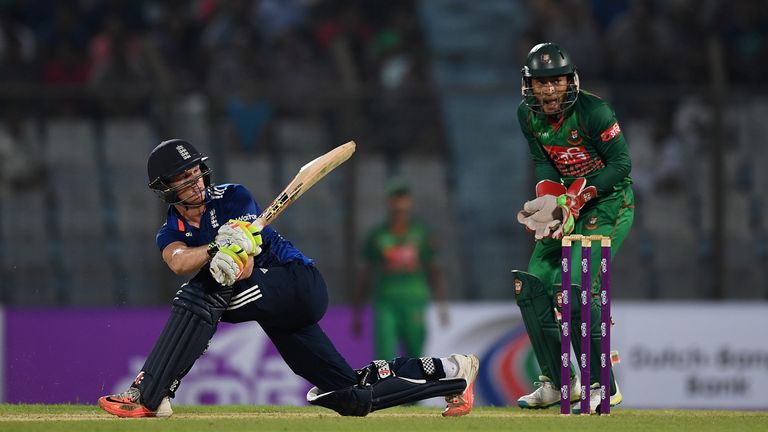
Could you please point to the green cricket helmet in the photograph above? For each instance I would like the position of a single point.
(549, 60)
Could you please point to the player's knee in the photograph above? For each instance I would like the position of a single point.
(209, 306)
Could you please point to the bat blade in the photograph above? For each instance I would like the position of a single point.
(308, 175)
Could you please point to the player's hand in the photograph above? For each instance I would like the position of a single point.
(247, 235)
(541, 216)
(228, 263)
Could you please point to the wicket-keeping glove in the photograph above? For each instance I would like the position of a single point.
(538, 216)
(571, 202)
(555, 210)
(227, 263)
(247, 235)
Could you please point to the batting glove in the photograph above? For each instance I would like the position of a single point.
(247, 235)
(227, 263)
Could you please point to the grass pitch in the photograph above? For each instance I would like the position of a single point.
(272, 418)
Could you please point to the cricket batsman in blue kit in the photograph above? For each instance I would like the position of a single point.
(209, 232)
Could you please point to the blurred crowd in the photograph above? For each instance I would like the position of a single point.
(656, 41)
(359, 66)
(683, 76)
(251, 59)
(255, 59)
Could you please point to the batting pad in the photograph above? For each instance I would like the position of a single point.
(195, 315)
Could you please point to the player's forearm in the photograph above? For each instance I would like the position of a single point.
(184, 259)
(546, 171)
(617, 167)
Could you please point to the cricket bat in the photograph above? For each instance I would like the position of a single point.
(307, 176)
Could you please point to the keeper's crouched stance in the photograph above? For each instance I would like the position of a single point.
(583, 186)
(209, 231)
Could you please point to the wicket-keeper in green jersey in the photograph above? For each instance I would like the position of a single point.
(582, 166)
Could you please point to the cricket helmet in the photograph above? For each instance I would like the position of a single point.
(549, 60)
(169, 159)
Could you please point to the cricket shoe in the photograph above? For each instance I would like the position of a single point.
(127, 404)
(547, 394)
(461, 404)
(594, 399)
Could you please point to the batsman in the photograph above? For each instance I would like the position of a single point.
(582, 165)
(243, 271)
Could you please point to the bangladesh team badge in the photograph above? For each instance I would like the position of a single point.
(574, 138)
(591, 222)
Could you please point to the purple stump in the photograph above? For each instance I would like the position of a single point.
(605, 326)
(565, 330)
(586, 300)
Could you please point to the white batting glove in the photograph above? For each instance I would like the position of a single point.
(540, 216)
(244, 234)
(227, 264)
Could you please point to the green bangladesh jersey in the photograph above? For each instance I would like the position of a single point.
(586, 141)
(399, 262)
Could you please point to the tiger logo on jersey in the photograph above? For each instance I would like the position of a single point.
(574, 138)
(591, 223)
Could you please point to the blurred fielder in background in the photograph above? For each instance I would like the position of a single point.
(582, 166)
(400, 264)
(246, 272)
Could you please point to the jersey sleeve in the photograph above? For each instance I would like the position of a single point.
(542, 164)
(612, 148)
(166, 235)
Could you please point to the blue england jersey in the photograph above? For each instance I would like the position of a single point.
(228, 201)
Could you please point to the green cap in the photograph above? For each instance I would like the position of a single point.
(397, 187)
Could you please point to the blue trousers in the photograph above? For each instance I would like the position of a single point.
(288, 301)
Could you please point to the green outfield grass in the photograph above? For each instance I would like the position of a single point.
(271, 418)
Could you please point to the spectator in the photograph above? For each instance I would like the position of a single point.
(299, 77)
(16, 39)
(119, 73)
(638, 43)
(69, 71)
(249, 114)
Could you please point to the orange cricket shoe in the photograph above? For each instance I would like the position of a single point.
(461, 404)
(127, 404)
